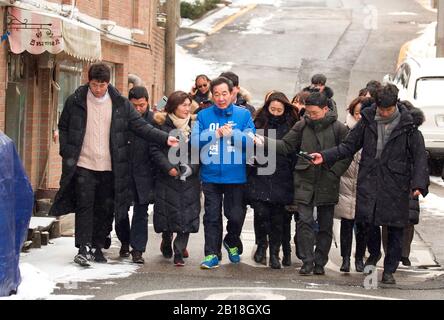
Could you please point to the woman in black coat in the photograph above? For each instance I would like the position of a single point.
(270, 193)
(177, 191)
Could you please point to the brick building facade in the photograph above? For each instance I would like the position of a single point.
(33, 87)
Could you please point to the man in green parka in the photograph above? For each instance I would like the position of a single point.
(315, 187)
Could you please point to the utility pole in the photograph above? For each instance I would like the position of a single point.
(172, 25)
(440, 30)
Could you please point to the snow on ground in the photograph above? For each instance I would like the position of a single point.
(276, 3)
(208, 23)
(437, 180)
(42, 269)
(432, 204)
(188, 67)
(256, 25)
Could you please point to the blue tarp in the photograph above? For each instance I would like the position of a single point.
(16, 202)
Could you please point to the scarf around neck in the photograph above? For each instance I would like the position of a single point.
(385, 128)
(181, 124)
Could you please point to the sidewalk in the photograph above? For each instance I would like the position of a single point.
(431, 222)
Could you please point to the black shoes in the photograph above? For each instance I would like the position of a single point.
(359, 264)
(178, 261)
(286, 260)
(137, 257)
(372, 260)
(166, 248)
(107, 242)
(99, 257)
(318, 270)
(387, 278)
(185, 253)
(274, 262)
(124, 251)
(406, 261)
(306, 269)
(345, 264)
(260, 255)
(84, 257)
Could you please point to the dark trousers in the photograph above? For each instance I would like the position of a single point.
(95, 206)
(180, 242)
(137, 234)
(269, 219)
(347, 226)
(286, 233)
(394, 246)
(407, 239)
(372, 237)
(231, 197)
(307, 238)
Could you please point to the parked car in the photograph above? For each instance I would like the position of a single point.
(421, 82)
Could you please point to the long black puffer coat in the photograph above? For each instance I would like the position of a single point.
(176, 202)
(72, 127)
(277, 187)
(385, 184)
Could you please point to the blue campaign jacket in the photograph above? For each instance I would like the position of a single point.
(223, 160)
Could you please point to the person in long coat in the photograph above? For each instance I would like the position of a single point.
(177, 191)
(94, 126)
(270, 193)
(393, 166)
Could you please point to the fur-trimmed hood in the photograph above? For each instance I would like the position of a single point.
(418, 116)
(160, 118)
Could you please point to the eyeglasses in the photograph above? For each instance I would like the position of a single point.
(203, 85)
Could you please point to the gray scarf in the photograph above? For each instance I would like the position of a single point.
(385, 128)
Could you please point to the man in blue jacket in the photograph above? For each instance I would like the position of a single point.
(221, 134)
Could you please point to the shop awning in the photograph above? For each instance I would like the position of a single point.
(37, 32)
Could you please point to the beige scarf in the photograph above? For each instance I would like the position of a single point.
(181, 124)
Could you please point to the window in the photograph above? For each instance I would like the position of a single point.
(429, 89)
(69, 80)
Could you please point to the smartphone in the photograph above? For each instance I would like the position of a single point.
(161, 103)
(305, 156)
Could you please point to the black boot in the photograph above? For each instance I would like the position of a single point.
(260, 255)
(359, 264)
(345, 264)
(286, 250)
(274, 258)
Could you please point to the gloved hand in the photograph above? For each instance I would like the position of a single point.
(185, 171)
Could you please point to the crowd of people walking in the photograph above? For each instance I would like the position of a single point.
(367, 171)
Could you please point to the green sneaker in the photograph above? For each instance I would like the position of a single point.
(210, 262)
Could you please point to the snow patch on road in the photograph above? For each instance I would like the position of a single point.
(188, 67)
(437, 180)
(42, 269)
(402, 13)
(256, 25)
(207, 24)
(432, 204)
(276, 3)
